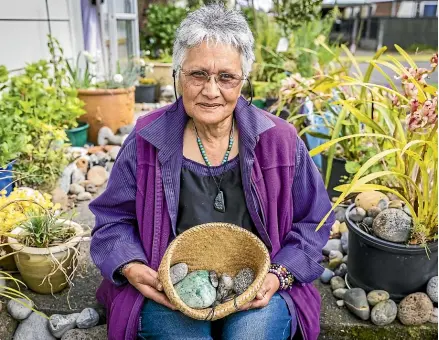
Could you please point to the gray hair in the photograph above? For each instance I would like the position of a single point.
(215, 23)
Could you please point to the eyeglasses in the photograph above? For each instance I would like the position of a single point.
(223, 79)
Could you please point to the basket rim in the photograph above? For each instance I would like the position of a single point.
(225, 308)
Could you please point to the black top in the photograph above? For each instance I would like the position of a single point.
(198, 191)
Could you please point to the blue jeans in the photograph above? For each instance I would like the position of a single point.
(270, 323)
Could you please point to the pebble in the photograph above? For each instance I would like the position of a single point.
(327, 275)
(35, 327)
(126, 129)
(433, 316)
(369, 199)
(243, 280)
(376, 296)
(17, 310)
(345, 259)
(87, 318)
(333, 244)
(84, 196)
(77, 176)
(213, 276)
(340, 303)
(82, 164)
(66, 177)
(384, 313)
(345, 242)
(76, 189)
(59, 196)
(178, 272)
(396, 204)
(407, 210)
(383, 204)
(356, 301)
(415, 309)
(91, 188)
(392, 225)
(343, 227)
(60, 324)
(337, 282)
(357, 214)
(196, 291)
(432, 289)
(373, 212)
(339, 293)
(342, 270)
(97, 175)
(334, 264)
(225, 286)
(95, 333)
(335, 254)
(114, 152)
(368, 221)
(340, 214)
(335, 227)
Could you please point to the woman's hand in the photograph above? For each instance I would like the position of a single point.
(146, 281)
(269, 288)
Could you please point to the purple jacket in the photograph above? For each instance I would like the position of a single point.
(136, 215)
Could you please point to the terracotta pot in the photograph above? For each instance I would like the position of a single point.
(107, 107)
(34, 264)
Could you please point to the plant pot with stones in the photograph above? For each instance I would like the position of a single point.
(46, 267)
(376, 263)
(338, 172)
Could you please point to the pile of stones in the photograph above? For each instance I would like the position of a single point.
(35, 326)
(202, 288)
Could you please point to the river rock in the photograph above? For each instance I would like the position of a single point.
(407, 210)
(376, 296)
(356, 301)
(396, 204)
(327, 275)
(60, 197)
(333, 244)
(343, 227)
(433, 316)
(195, 290)
(243, 280)
(342, 270)
(126, 129)
(392, 225)
(334, 264)
(87, 318)
(35, 327)
(384, 313)
(84, 196)
(335, 254)
(337, 282)
(345, 242)
(77, 176)
(17, 310)
(339, 293)
(415, 309)
(91, 188)
(60, 324)
(213, 277)
(335, 229)
(345, 259)
(95, 333)
(82, 164)
(373, 212)
(368, 221)
(97, 175)
(66, 177)
(178, 272)
(357, 214)
(432, 289)
(114, 152)
(383, 204)
(76, 189)
(340, 303)
(340, 214)
(369, 199)
(225, 286)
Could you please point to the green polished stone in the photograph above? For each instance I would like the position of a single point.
(196, 290)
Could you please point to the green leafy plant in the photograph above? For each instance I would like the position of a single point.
(402, 126)
(158, 33)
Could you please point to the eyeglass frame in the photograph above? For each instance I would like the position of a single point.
(209, 76)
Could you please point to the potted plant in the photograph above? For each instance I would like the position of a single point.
(146, 90)
(45, 248)
(397, 239)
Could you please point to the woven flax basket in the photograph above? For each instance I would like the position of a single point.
(224, 248)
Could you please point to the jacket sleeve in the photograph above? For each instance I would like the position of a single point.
(115, 237)
(301, 250)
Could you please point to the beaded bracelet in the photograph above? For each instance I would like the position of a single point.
(286, 279)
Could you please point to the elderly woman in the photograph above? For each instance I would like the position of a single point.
(211, 157)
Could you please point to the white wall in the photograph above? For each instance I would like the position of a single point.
(24, 29)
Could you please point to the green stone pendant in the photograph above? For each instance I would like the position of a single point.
(219, 203)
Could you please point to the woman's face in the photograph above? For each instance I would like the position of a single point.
(209, 103)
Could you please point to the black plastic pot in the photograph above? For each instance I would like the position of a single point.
(396, 268)
(270, 101)
(145, 93)
(338, 171)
